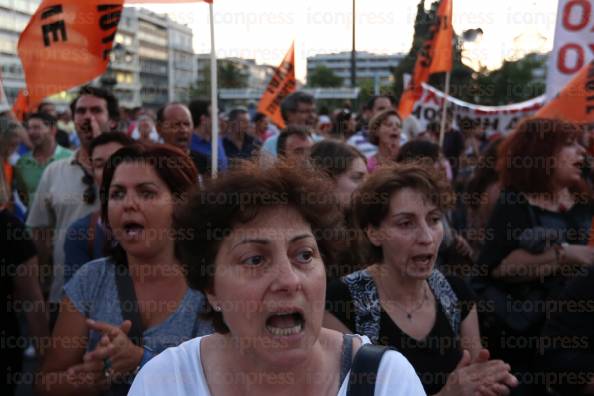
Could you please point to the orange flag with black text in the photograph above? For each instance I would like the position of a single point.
(435, 56)
(67, 43)
(282, 84)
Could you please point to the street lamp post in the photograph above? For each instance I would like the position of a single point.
(354, 53)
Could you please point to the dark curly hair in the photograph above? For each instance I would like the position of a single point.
(236, 198)
(173, 166)
(371, 203)
(526, 159)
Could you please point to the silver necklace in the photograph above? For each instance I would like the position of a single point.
(409, 314)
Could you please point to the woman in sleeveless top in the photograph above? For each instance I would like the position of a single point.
(401, 300)
(259, 241)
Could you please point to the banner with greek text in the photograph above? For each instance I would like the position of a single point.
(494, 120)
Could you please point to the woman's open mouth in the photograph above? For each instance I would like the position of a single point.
(133, 229)
(423, 259)
(285, 324)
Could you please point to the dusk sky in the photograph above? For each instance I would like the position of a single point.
(263, 29)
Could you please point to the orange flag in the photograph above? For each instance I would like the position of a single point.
(575, 102)
(67, 43)
(282, 84)
(434, 57)
(21, 106)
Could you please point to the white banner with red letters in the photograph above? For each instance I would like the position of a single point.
(492, 119)
(574, 43)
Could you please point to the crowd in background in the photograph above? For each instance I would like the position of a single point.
(471, 259)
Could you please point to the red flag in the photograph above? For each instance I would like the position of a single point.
(434, 57)
(67, 43)
(282, 84)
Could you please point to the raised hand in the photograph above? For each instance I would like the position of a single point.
(115, 346)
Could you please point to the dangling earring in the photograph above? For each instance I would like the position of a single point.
(217, 308)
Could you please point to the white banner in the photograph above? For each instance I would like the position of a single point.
(493, 119)
(574, 43)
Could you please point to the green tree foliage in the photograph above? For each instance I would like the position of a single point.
(229, 75)
(515, 81)
(324, 77)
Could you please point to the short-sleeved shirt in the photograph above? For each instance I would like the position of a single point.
(434, 357)
(29, 171)
(83, 244)
(179, 372)
(249, 148)
(93, 292)
(57, 204)
(360, 141)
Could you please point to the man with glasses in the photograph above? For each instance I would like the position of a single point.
(297, 109)
(67, 191)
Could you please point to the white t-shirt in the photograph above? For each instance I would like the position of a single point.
(178, 371)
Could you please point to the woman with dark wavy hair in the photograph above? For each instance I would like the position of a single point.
(261, 240)
(120, 311)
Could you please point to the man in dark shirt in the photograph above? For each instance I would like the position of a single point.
(175, 126)
(237, 142)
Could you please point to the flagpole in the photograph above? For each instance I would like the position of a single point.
(214, 112)
(444, 110)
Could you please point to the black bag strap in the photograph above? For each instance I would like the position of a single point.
(364, 370)
(129, 303)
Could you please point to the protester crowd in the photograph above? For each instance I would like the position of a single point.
(130, 269)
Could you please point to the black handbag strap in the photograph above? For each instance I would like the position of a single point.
(129, 303)
(364, 370)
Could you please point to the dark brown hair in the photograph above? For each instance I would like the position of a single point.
(371, 203)
(239, 196)
(301, 131)
(526, 158)
(333, 158)
(173, 166)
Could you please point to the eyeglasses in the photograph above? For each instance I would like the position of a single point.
(89, 195)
